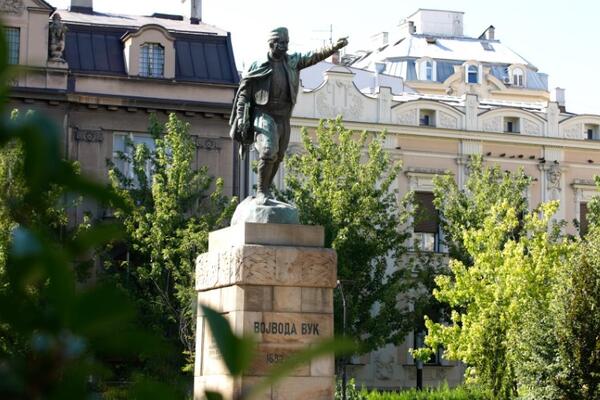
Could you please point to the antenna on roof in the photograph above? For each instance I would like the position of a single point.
(330, 30)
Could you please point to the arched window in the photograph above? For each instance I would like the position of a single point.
(472, 74)
(517, 77)
(152, 60)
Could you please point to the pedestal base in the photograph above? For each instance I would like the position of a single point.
(275, 283)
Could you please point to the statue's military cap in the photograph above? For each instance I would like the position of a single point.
(279, 33)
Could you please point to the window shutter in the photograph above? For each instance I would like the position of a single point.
(426, 217)
(583, 222)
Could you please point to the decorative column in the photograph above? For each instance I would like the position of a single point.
(273, 282)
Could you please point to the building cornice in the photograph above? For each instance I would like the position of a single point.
(437, 133)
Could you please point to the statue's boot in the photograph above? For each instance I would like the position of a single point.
(274, 171)
(263, 181)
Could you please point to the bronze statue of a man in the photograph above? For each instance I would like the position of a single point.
(264, 102)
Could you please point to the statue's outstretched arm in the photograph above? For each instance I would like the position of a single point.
(316, 56)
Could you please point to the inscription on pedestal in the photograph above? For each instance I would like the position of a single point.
(286, 328)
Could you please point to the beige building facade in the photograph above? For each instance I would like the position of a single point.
(479, 99)
(111, 72)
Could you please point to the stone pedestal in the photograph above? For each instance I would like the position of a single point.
(274, 282)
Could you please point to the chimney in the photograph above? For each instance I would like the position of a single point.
(380, 39)
(559, 97)
(335, 58)
(491, 32)
(379, 69)
(411, 27)
(82, 6)
(193, 11)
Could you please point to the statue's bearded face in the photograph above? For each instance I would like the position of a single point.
(279, 46)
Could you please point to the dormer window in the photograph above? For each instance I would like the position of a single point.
(150, 52)
(427, 70)
(517, 77)
(152, 60)
(472, 73)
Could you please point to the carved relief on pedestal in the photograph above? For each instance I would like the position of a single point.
(339, 98)
(384, 366)
(258, 265)
(448, 121)
(531, 128)
(492, 124)
(14, 7)
(406, 118)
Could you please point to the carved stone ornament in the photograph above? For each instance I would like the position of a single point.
(384, 366)
(554, 174)
(342, 99)
(407, 118)
(14, 7)
(205, 143)
(531, 128)
(84, 135)
(57, 38)
(448, 121)
(574, 131)
(493, 125)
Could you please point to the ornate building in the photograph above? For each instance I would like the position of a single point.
(442, 97)
(100, 76)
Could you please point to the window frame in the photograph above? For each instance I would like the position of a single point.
(147, 60)
(427, 70)
(127, 167)
(13, 48)
(518, 77)
(472, 70)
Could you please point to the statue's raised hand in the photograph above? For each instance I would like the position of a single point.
(341, 42)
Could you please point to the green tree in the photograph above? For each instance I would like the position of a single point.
(577, 328)
(343, 181)
(466, 208)
(511, 280)
(54, 335)
(171, 208)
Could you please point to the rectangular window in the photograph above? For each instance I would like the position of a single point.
(427, 117)
(436, 357)
(152, 60)
(591, 131)
(124, 147)
(13, 39)
(511, 125)
(426, 226)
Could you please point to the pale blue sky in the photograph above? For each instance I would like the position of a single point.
(560, 38)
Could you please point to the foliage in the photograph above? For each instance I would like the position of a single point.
(57, 333)
(577, 313)
(352, 391)
(510, 282)
(463, 209)
(441, 393)
(343, 181)
(167, 220)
